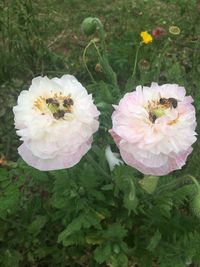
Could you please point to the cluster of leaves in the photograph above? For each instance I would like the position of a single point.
(80, 217)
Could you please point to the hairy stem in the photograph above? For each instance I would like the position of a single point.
(85, 63)
(135, 63)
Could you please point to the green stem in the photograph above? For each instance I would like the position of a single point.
(97, 166)
(98, 52)
(102, 34)
(194, 180)
(176, 182)
(160, 59)
(84, 61)
(168, 186)
(135, 63)
(13, 222)
(113, 81)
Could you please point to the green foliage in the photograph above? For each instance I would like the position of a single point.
(95, 220)
(125, 182)
(9, 198)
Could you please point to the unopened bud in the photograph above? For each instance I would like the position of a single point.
(149, 183)
(144, 65)
(89, 25)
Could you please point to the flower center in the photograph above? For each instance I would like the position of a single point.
(58, 105)
(157, 109)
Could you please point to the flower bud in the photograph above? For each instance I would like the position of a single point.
(89, 25)
(149, 183)
(144, 65)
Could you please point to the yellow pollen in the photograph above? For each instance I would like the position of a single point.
(173, 122)
(39, 103)
(56, 103)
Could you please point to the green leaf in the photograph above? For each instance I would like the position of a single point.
(83, 221)
(120, 260)
(11, 258)
(9, 200)
(154, 241)
(3, 175)
(125, 182)
(103, 253)
(108, 71)
(130, 84)
(115, 231)
(36, 226)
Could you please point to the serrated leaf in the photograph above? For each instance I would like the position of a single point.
(9, 201)
(3, 175)
(115, 231)
(120, 260)
(154, 241)
(102, 253)
(11, 258)
(36, 226)
(83, 221)
(94, 239)
(125, 182)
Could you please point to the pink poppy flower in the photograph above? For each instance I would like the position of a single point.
(55, 119)
(154, 128)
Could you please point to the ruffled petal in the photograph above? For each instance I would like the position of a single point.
(155, 147)
(54, 140)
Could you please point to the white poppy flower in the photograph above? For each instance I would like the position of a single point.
(55, 119)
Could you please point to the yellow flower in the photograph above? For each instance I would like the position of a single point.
(146, 37)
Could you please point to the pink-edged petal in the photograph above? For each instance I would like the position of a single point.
(55, 136)
(61, 161)
(154, 147)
